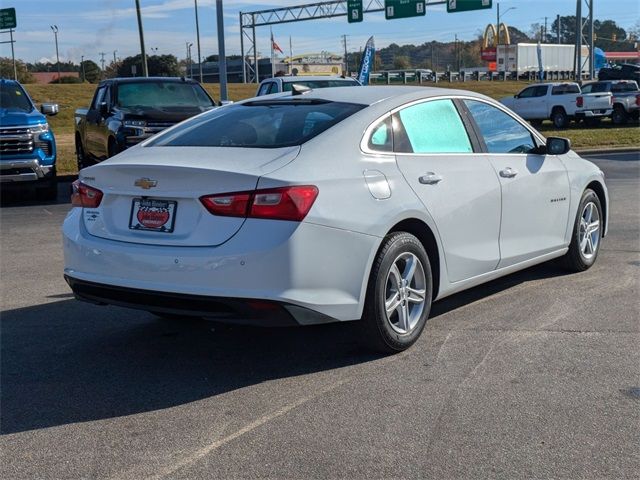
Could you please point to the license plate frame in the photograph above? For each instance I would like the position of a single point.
(158, 207)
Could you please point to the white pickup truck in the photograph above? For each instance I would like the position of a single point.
(559, 103)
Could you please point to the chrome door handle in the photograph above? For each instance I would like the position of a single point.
(508, 172)
(430, 178)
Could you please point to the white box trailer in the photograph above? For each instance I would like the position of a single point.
(523, 57)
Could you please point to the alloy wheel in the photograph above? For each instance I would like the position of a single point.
(405, 293)
(589, 230)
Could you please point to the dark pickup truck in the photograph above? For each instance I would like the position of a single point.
(125, 111)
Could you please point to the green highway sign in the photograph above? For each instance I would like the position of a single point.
(467, 5)
(403, 8)
(354, 11)
(7, 18)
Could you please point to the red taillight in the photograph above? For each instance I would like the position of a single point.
(638, 100)
(85, 196)
(579, 101)
(284, 203)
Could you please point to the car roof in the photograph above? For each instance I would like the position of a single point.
(310, 78)
(149, 79)
(370, 95)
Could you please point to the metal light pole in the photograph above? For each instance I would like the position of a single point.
(189, 45)
(54, 28)
(198, 40)
(498, 20)
(82, 67)
(222, 57)
(145, 70)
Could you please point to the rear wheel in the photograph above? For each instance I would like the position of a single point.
(559, 117)
(81, 158)
(399, 293)
(619, 116)
(587, 233)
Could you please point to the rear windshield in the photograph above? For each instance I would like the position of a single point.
(624, 87)
(286, 86)
(13, 97)
(161, 94)
(259, 124)
(565, 89)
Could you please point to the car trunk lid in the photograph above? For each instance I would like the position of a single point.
(151, 194)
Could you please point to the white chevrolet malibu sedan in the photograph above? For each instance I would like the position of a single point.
(331, 205)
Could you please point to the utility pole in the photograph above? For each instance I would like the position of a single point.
(102, 54)
(346, 62)
(145, 70)
(189, 45)
(114, 57)
(54, 28)
(222, 56)
(558, 24)
(545, 30)
(198, 41)
(498, 26)
(82, 67)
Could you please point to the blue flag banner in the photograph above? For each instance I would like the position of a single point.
(367, 62)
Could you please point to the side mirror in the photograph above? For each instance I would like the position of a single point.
(104, 109)
(558, 145)
(49, 109)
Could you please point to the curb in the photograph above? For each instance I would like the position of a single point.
(588, 151)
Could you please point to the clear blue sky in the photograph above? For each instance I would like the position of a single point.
(87, 27)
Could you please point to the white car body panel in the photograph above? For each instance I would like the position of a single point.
(322, 264)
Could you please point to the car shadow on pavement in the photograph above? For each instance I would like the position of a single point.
(69, 361)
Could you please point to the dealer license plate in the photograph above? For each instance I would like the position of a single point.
(153, 215)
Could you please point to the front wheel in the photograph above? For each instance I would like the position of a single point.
(587, 233)
(399, 293)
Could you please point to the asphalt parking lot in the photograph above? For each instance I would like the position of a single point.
(536, 375)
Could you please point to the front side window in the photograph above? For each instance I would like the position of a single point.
(264, 88)
(259, 124)
(97, 100)
(501, 132)
(432, 127)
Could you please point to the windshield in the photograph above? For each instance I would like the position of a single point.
(286, 86)
(259, 124)
(13, 97)
(161, 94)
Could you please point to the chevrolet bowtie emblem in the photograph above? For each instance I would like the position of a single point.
(145, 183)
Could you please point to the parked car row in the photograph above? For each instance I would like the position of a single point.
(562, 103)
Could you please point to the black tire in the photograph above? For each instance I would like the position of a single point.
(48, 189)
(592, 122)
(536, 123)
(112, 148)
(559, 117)
(81, 158)
(619, 116)
(379, 331)
(576, 259)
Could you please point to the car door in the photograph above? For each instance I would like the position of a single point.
(535, 187)
(538, 103)
(457, 186)
(102, 127)
(523, 102)
(92, 121)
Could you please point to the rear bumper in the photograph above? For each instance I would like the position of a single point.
(235, 310)
(594, 113)
(318, 273)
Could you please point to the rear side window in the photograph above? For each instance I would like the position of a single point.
(565, 89)
(501, 132)
(381, 138)
(432, 127)
(259, 124)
